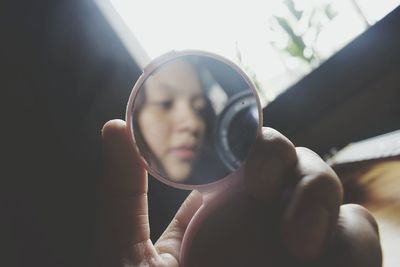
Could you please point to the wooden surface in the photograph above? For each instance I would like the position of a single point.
(376, 186)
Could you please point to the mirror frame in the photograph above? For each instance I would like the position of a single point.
(148, 70)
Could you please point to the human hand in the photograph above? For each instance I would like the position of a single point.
(124, 233)
(260, 228)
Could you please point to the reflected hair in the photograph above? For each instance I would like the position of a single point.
(207, 115)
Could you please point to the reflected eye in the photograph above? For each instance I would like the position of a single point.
(199, 104)
(165, 105)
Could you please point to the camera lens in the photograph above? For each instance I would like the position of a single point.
(236, 129)
(238, 139)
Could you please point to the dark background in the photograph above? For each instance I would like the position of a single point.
(64, 73)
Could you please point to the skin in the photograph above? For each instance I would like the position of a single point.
(290, 215)
(170, 121)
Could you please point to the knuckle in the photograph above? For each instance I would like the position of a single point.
(304, 150)
(311, 164)
(275, 144)
(321, 181)
(323, 187)
(363, 213)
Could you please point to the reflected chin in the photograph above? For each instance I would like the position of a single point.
(179, 171)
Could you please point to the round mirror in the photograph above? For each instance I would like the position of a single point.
(193, 116)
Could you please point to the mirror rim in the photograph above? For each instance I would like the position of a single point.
(147, 71)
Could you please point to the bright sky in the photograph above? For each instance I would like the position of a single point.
(221, 26)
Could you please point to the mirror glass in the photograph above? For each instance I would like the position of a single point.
(194, 119)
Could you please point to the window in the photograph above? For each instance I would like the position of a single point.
(277, 42)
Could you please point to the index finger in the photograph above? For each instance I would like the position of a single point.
(125, 231)
(125, 175)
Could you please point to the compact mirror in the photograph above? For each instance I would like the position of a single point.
(193, 117)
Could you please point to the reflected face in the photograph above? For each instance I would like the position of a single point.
(170, 119)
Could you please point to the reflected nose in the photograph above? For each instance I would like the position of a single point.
(186, 118)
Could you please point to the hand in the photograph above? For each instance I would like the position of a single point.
(124, 233)
(291, 214)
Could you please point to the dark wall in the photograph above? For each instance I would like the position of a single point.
(64, 73)
(353, 95)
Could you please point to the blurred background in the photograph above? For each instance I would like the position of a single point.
(277, 42)
(327, 73)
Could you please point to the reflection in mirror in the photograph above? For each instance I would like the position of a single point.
(194, 120)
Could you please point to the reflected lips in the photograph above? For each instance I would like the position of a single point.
(185, 152)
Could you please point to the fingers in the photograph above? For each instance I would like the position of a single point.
(125, 173)
(311, 218)
(273, 155)
(124, 194)
(171, 240)
(356, 241)
(313, 209)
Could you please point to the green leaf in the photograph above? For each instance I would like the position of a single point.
(292, 8)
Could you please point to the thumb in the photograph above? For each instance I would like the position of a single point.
(171, 240)
(124, 209)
